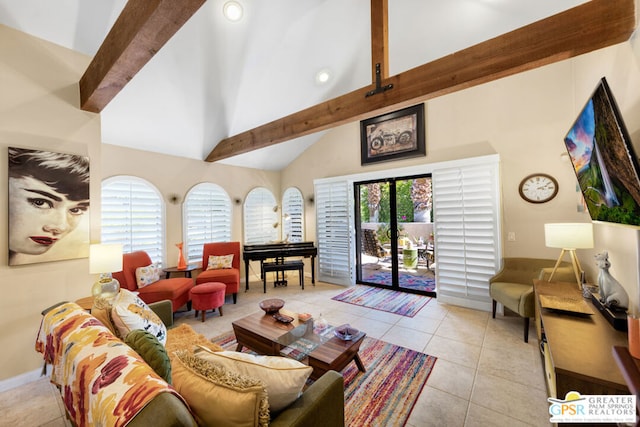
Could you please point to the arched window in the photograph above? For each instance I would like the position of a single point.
(261, 217)
(133, 215)
(292, 215)
(207, 218)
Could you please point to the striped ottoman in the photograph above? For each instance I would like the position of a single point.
(207, 296)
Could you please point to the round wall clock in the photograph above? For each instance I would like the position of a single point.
(538, 188)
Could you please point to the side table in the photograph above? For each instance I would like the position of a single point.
(85, 303)
(187, 271)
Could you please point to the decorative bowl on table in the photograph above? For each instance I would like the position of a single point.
(271, 305)
(345, 332)
(283, 318)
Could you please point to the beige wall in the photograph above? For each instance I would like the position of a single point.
(39, 105)
(522, 118)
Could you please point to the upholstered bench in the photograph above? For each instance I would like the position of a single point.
(208, 296)
(281, 267)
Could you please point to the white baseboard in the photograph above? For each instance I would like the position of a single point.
(22, 379)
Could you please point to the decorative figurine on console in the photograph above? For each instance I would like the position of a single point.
(612, 294)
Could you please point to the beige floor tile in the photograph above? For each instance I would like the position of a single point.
(422, 324)
(509, 398)
(434, 310)
(383, 316)
(299, 306)
(483, 417)
(466, 329)
(516, 363)
(507, 329)
(329, 304)
(338, 317)
(355, 310)
(454, 351)
(408, 338)
(452, 378)
(373, 328)
(30, 405)
(474, 316)
(437, 408)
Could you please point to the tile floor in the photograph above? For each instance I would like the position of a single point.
(485, 374)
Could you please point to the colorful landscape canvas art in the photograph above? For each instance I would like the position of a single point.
(604, 161)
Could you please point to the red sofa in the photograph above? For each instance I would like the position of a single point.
(228, 276)
(174, 289)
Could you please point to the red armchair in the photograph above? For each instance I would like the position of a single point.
(175, 289)
(228, 276)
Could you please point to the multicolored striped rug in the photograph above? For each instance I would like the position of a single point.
(409, 281)
(383, 396)
(384, 299)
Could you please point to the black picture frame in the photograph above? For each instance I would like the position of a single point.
(393, 136)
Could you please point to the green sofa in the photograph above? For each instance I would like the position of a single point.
(512, 286)
(321, 404)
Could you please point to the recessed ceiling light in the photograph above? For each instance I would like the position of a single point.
(323, 76)
(232, 11)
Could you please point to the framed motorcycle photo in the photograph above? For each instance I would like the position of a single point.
(392, 136)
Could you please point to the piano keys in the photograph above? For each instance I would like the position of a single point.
(278, 251)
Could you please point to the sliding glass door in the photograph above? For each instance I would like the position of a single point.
(376, 261)
(394, 232)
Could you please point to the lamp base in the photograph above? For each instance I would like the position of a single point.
(577, 268)
(106, 287)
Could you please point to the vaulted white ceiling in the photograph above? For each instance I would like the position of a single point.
(217, 78)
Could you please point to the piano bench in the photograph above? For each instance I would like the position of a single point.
(281, 267)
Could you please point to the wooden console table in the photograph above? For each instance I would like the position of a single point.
(577, 349)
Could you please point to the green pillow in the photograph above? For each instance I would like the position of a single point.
(151, 350)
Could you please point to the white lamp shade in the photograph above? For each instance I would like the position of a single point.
(569, 235)
(105, 258)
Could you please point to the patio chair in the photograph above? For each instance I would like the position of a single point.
(371, 245)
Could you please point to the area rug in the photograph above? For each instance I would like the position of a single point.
(423, 283)
(384, 299)
(384, 395)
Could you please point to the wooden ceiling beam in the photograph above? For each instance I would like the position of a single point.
(379, 38)
(142, 28)
(587, 27)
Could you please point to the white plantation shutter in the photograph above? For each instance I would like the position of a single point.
(133, 215)
(207, 218)
(293, 205)
(333, 220)
(467, 232)
(260, 216)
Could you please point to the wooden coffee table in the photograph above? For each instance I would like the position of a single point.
(322, 351)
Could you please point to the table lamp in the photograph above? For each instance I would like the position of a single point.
(105, 259)
(569, 237)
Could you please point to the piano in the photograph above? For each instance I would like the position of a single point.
(278, 251)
